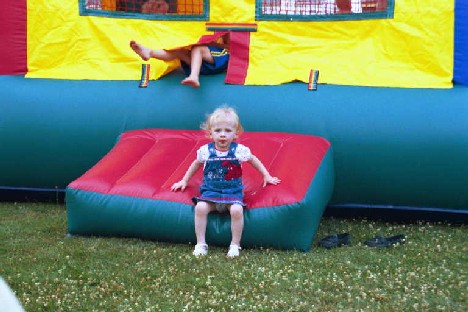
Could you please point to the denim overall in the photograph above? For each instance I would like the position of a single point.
(222, 179)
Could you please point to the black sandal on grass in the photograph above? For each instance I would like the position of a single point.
(335, 240)
(380, 241)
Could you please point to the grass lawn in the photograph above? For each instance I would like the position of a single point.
(52, 272)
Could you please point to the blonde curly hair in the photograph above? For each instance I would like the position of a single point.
(220, 114)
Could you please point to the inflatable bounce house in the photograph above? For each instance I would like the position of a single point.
(359, 106)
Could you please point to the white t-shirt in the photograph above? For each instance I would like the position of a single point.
(242, 153)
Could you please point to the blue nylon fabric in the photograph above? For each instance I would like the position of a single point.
(460, 70)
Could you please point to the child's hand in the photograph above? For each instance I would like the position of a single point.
(270, 180)
(181, 185)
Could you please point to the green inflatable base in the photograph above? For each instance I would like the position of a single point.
(393, 147)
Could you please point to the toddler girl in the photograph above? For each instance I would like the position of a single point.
(222, 188)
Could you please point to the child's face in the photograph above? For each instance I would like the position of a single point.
(223, 132)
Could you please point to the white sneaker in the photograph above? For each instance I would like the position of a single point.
(200, 250)
(234, 251)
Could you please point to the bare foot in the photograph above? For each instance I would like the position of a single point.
(189, 81)
(143, 52)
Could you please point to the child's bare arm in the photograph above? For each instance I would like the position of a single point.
(182, 184)
(267, 178)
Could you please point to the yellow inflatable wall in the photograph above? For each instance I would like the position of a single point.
(414, 49)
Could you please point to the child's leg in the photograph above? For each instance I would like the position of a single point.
(163, 55)
(199, 54)
(237, 223)
(202, 209)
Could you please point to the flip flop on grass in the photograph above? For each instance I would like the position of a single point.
(380, 241)
(335, 240)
